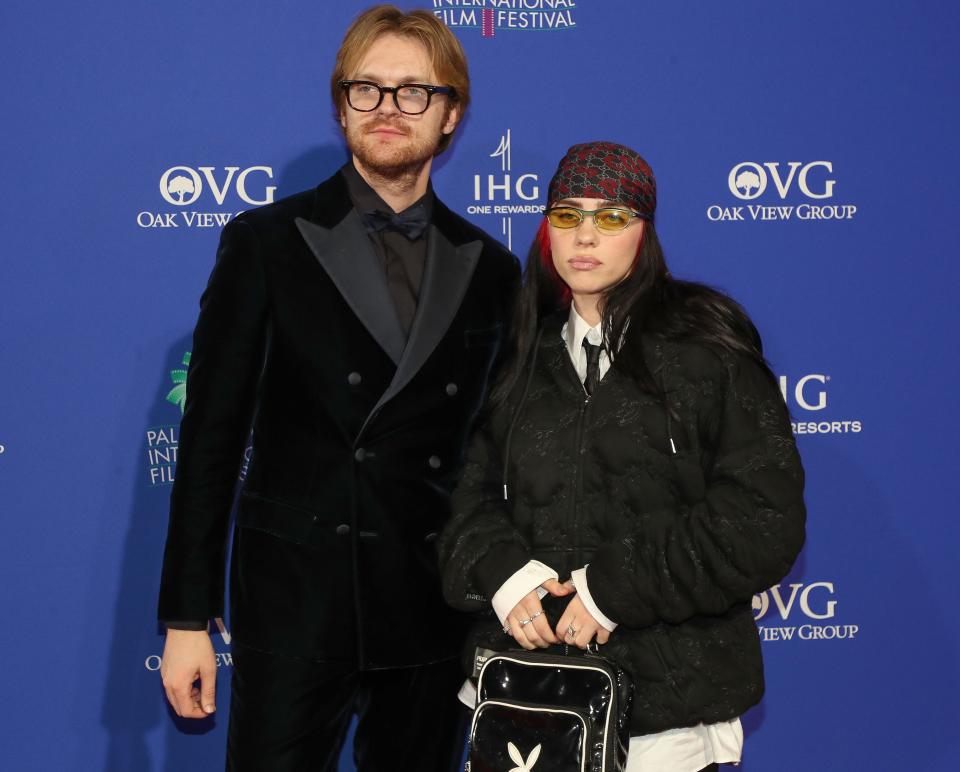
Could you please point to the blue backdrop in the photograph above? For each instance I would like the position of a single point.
(807, 163)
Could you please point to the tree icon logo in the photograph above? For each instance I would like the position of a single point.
(180, 186)
(746, 181)
(178, 394)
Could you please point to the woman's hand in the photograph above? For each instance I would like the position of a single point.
(578, 627)
(527, 622)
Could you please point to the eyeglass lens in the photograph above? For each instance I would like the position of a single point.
(408, 99)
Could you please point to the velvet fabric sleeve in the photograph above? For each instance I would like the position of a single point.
(480, 548)
(225, 365)
(743, 536)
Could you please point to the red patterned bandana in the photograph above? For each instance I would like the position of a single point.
(605, 170)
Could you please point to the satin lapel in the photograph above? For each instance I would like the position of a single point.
(446, 277)
(346, 254)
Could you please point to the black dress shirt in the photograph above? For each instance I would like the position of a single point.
(402, 258)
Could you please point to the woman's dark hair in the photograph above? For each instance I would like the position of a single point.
(648, 300)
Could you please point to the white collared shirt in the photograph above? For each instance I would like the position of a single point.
(574, 330)
(689, 749)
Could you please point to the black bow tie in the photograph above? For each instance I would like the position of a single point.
(410, 222)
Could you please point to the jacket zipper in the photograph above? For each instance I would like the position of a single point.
(578, 458)
(578, 478)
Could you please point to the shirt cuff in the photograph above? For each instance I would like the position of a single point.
(511, 592)
(580, 582)
(193, 624)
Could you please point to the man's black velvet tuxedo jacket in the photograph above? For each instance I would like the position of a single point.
(358, 435)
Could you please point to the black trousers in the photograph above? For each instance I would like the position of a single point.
(292, 715)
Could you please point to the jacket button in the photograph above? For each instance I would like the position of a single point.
(354, 379)
(430, 537)
(434, 462)
(360, 454)
(451, 389)
(343, 529)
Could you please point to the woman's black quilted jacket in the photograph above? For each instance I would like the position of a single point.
(682, 517)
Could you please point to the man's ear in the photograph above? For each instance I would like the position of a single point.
(343, 118)
(453, 118)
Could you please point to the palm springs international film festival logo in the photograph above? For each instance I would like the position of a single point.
(773, 191)
(163, 441)
(801, 612)
(208, 196)
(506, 193)
(489, 16)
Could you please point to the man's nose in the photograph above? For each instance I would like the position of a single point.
(387, 105)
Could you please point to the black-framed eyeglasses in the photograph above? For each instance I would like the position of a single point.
(410, 98)
(608, 218)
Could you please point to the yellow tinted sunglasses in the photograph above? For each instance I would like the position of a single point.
(609, 218)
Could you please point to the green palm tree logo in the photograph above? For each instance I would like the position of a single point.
(178, 394)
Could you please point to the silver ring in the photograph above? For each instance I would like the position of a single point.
(525, 622)
(571, 631)
(534, 616)
(506, 629)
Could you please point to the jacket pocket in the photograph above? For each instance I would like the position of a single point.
(661, 644)
(689, 481)
(290, 577)
(287, 521)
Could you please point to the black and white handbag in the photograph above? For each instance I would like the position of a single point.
(559, 710)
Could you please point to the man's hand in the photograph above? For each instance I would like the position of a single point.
(527, 623)
(577, 627)
(188, 656)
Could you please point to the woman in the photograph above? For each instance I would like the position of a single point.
(638, 450)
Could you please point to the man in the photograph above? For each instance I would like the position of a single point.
(356, 327)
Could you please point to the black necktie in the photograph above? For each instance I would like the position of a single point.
(593, 366)
(410, 222)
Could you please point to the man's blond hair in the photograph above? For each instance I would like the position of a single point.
(444, 50)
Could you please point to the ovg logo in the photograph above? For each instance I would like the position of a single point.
(184, 186)
(813, 605)
(489, 16)
(163, 441)
(787, 189)
(807, 397)
(505, 193)
(749, 180)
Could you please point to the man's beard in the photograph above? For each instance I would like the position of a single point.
(385, 160)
